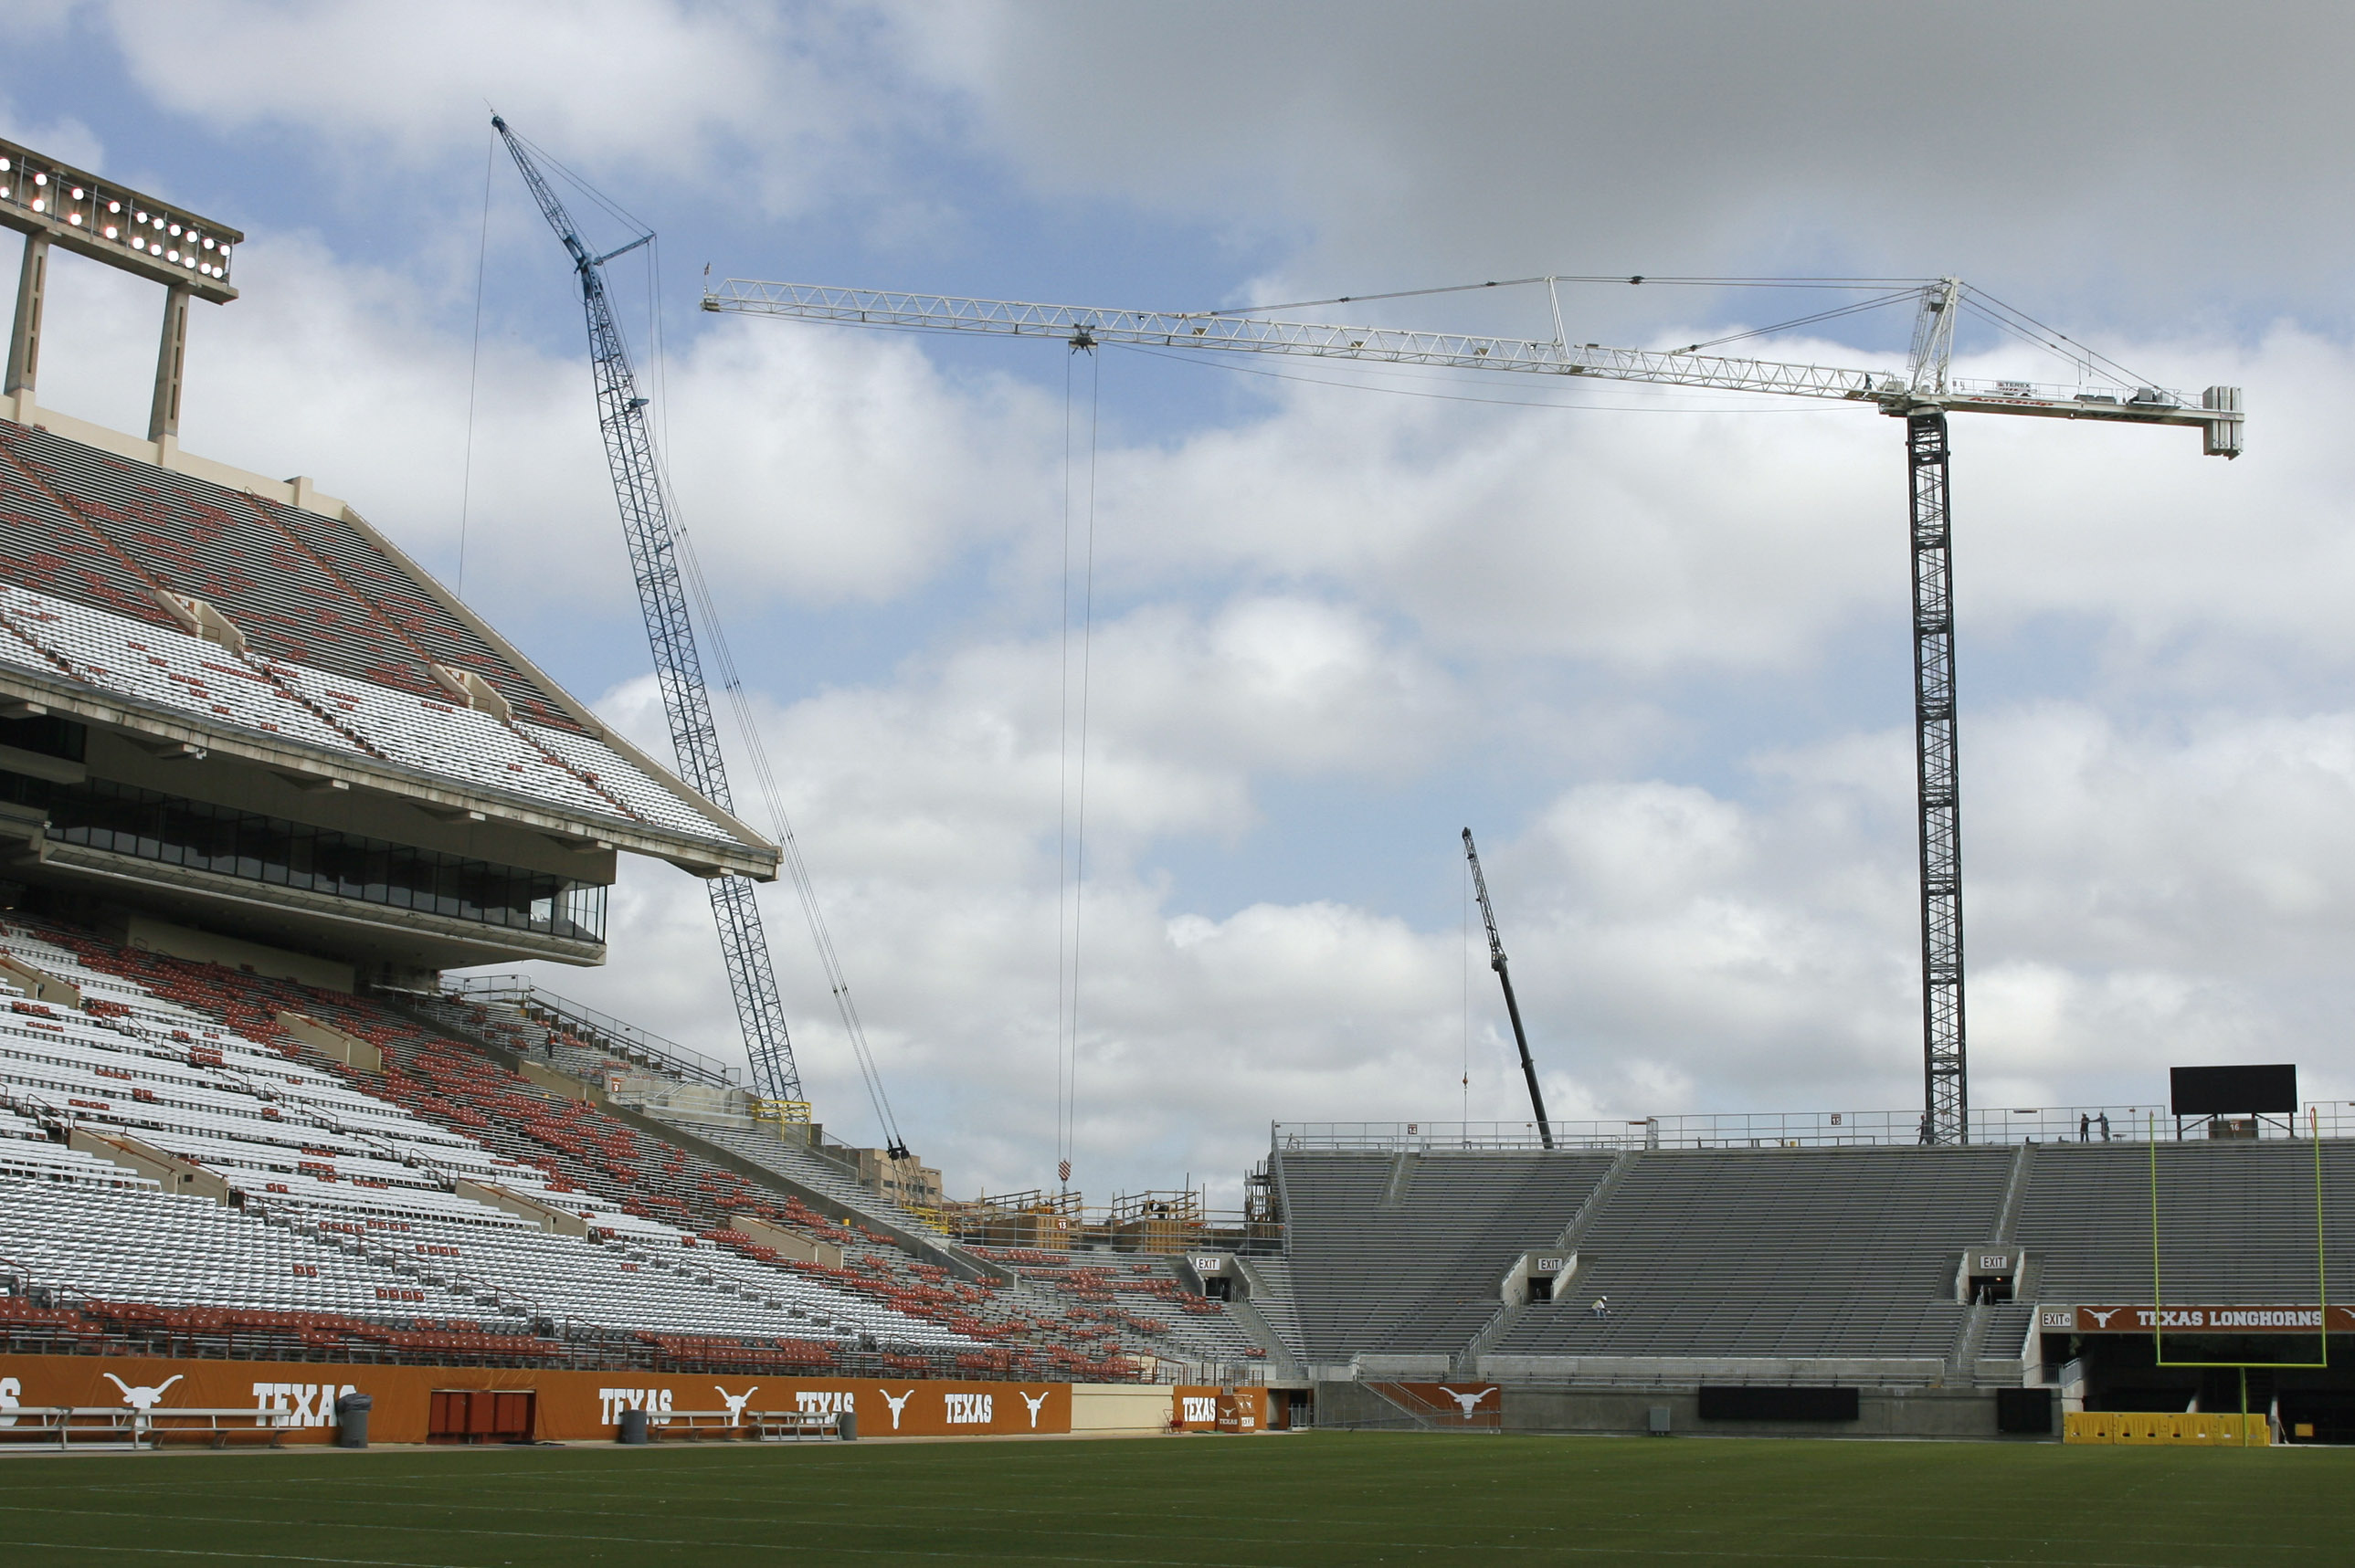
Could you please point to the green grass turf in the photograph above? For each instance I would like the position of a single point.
(1328, 1498)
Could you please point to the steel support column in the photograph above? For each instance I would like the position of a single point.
(171, 355)
(1945, 1114)
(25, 338)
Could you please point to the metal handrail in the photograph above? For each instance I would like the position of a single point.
(1803, 1129)
(599, 1029)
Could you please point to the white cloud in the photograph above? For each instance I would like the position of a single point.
(1404, 144)
(758, 98)
(1661, 647)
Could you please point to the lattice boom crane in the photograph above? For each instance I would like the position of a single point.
(1923, 396)
(1504, 975)
(679, 669)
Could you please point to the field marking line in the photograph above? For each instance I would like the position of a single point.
(1793, 1530)
(241, 1556)
(705, 1544)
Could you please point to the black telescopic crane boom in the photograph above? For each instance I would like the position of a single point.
(1512, 1003)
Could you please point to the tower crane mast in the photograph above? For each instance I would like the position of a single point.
(679, 669)
(1922, 397)
(1505, 978)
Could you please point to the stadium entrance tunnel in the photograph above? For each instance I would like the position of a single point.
(2123, 1374)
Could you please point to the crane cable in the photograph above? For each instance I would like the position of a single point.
(739, 706)
(1070, 815)
(731, 685)
(474, 363)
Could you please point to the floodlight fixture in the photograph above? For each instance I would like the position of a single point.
(56, 204)
(111, 223)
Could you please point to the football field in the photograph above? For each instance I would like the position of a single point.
(1328, 1498)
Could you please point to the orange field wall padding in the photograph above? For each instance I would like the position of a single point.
(1207, 1409)
(569, 1406)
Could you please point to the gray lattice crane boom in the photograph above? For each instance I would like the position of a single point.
(1505, 978)
(679, 669)
(1923, 396)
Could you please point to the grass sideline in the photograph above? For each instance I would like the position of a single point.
(1320, 1498)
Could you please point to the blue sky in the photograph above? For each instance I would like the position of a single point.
(1653, 652)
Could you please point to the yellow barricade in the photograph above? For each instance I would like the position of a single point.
(2208, 1429)
(2089, 1427)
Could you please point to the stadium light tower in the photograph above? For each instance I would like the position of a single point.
(55, 203)
(1923, 394)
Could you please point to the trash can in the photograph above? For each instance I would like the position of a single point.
(845, 1426)
(352, 1420)
(633, 1427)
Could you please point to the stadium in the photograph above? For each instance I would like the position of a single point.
(275, 1174)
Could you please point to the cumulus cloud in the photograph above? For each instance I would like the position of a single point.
(1406, 144)
(757, 99)
(1654, 648)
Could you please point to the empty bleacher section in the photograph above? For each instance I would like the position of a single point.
(1403, 1253)
(1845, 1254)
(386, 782)
(423, 1191)
(1844, 1263)
(2236, 1221)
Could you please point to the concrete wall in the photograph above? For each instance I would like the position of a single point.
(561, 1221)
(336, 1044)
(39, 983)
(151, 935)
(789, 1244)
(178, 1175)
(561, 1084)
(1935, 1413)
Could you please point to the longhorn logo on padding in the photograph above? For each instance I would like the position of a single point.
(735, 1402)
(1034, 1405)
(141, 1398)
(897, 1405)
(1468, 1402)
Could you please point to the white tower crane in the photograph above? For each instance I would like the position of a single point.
(1922, 397)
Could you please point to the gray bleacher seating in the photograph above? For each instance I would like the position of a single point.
(1776, 1253)
(1413, 1265)
(2236, 1221)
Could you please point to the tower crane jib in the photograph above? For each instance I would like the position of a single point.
(1922, 397)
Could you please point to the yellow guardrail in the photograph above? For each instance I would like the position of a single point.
(794, 1113)
(2197, 1429)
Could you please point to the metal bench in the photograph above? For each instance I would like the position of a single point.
(692, 1425)
(114, 1427)
(792, 1426)
(752, 1425)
